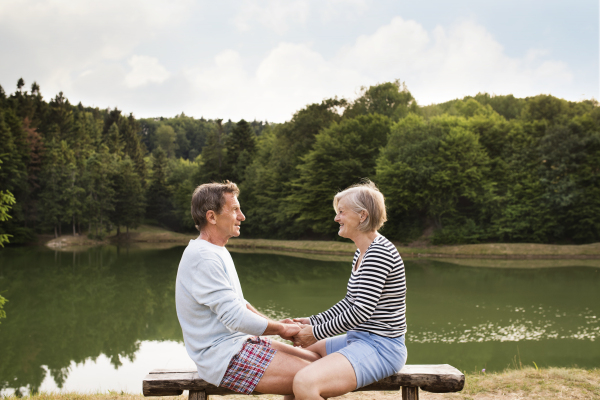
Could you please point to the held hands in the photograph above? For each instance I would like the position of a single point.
(297, 330)
(305, 337)
(288, 329)
(303, 321)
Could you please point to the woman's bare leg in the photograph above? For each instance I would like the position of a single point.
(330, 376)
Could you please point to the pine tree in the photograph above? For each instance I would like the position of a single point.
(241, 147)
(100, 199)
(57, 186)
(158, 194)
(130, 132)
(114, 140)
(129, 197)
(212, 167)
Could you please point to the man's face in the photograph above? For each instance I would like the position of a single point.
(230, 218)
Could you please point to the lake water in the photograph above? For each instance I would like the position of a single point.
(100, 319)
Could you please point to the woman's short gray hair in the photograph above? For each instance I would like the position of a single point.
(364, 197)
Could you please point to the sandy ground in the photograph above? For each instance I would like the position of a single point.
(505, 253)
(528, 383)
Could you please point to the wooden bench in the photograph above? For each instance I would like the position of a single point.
(442, 378)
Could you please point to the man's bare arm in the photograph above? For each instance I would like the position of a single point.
(255, 311)
(286, 328)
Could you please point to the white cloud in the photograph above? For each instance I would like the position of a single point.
(437, 65)
(288, 78)
(348, 9)
(54, 41)
(276, 15)
(444, 64)
(282, 16)
(113, 54)
(144, 70)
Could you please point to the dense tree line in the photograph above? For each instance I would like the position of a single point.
(478, 169)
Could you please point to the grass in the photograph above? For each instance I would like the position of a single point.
(525, 383)
(151, 234)
(509, 250)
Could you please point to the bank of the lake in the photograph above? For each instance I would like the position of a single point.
(158, 237)
(545, 383)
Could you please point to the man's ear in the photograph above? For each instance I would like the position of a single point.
(211, 217)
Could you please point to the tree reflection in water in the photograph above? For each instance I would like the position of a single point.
(66, 308)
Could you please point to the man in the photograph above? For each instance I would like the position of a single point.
(220, 328)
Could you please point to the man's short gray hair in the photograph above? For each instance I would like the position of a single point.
(364, 197)
(210, 196)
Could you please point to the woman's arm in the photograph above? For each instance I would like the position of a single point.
(367, 292)
(330, 314)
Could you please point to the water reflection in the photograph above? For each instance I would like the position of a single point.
(69, 310)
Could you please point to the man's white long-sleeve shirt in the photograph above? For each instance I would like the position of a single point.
(211, 309)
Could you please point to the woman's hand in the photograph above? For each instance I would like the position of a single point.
(289, 329)
(303, 321)
(305, 337)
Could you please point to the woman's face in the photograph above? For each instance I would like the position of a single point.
(348, 220)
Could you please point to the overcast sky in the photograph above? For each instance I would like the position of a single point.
(266, 59)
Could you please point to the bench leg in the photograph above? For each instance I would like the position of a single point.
(198, 395)
(408, 393)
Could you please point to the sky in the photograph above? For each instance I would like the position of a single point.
(267, 59)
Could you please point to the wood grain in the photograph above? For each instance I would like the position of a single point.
(197, 395)
(410, 393)
(441, 378)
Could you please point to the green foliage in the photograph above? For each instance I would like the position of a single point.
(241, 147)
(166, 140)
(391, 99)
(268, 180)
(129, 205)
(159, 194)
(2, 302)
(7, 200)
(481, 168)
(434, 169)
(342, 155)
(212, 164)
(182, 183)
(100, 194)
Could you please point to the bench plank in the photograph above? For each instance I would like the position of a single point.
(441, 378)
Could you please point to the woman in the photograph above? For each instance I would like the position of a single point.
(372, 313)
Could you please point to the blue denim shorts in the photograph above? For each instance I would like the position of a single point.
(373, 357)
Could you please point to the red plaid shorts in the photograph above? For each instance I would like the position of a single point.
(247, 367)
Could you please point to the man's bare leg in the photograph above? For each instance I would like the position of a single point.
(279, 376)
(318, 348)
(305, 354)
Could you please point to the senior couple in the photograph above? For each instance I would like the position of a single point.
(356, 342)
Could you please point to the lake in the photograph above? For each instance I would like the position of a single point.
(100, 319)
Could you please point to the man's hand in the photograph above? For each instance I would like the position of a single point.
(289, 321)
(305, 337)
(288, 330)
(303, 321)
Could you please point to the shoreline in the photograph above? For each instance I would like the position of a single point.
(526, 382)
(157, 237)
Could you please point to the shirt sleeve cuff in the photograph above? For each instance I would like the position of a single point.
(253, 324)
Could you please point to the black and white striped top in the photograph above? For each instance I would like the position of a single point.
(376, 297)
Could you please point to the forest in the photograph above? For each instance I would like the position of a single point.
(485, 168)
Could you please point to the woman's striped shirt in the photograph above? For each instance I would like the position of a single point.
(376, 297)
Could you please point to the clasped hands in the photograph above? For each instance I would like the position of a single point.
(297, 330)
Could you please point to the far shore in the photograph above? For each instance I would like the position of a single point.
(522, 383)
(155, 237)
